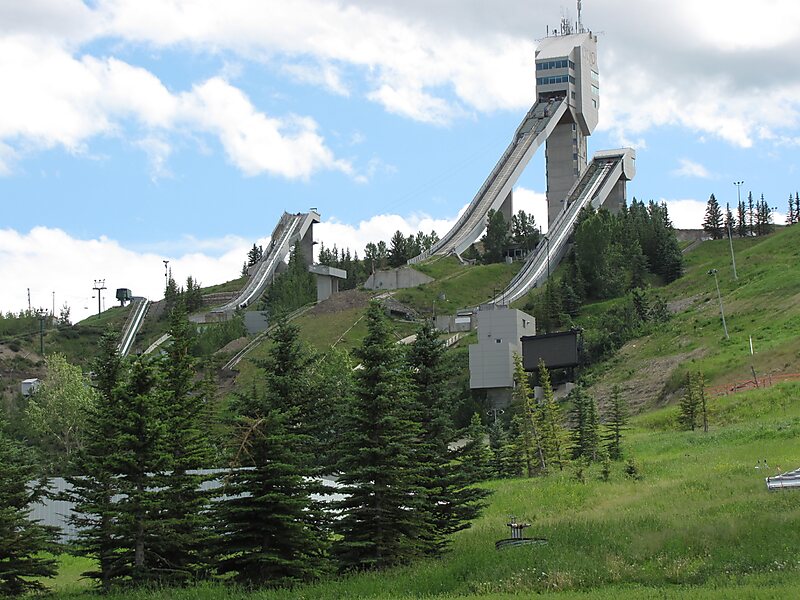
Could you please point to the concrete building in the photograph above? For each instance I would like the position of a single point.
(491, 360)
(566, 67)
(327, 280)
(396, 279)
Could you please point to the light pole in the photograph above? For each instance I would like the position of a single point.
(730, 241)
(721, 311)
(99, 286)
(166, 276)
(41, 313)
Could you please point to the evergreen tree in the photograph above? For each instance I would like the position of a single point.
(797, 207)
(475, 458)
(713, 222)
(398, 253)
(446, 477)
(504, 463)
(524, 231)
(254, 255)
(741, 219)
(689, 405)
(529, 444)
(271, 531)
(552, 431)
(496, 239)
(23, 542)
(730, 221)
(381, 520)
(293, 288)
(139, 461)
(751, 215)
(616, 423)
(790, 216)
(586, 432)
(183, 521)
(93, 478)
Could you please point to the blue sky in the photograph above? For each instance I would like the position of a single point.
(137, 130)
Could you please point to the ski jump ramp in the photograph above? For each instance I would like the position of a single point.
(292, 228)
(563, 117)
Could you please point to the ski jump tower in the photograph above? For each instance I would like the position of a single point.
(563, 117)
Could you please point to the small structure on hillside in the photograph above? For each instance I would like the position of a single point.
(327, 280)
(124, 295)
(396, 279)
(518, 536)
(491, 360)
(29, 386)
(463, 320)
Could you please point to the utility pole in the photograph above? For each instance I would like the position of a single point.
(166, 276)
(41, 312)
(721, 311)
(99, 286)
(738, 185)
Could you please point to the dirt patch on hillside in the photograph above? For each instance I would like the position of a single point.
(646, 387)
(682, 304)
(342, 301)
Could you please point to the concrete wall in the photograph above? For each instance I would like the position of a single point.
(396, 279)
(491, 360)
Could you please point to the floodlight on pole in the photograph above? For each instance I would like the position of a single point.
(721, 310)
(99, 286)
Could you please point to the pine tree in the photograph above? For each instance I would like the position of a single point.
(504, 462)
(586, 432)
(616, 423)
(270, 528)
(380, 519)
(751, 215)
(447, 478)
(741, 219)
(552, 431)
(23, 542)
(529, 444)
(730, 222)
(475, 457)
(797, 207)
(713, 222)
(496, 238)
(398, 252)
(183, 521)
(137, 463)
(790, 217)
(689, 405)
(92, 478)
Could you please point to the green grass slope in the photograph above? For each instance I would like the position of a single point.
(764, 303)
(699, 524)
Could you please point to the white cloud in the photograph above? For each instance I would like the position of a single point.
(686, 213)
(325, 75)
(689, 168)
(47, 260)
(63, 101)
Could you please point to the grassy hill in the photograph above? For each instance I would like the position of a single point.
(699, 524)
(764, 303)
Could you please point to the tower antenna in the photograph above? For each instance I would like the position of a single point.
(580, 23)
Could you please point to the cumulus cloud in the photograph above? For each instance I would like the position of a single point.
(689, 168)
(60, 100)
(50, 260)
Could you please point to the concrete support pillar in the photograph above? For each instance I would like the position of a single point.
(307, 246)
(617, 197)
(507, 208)
(565, 160)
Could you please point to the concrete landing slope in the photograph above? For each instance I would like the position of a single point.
(290, 229)
(132, 326)
(535, 128)
(599, 184)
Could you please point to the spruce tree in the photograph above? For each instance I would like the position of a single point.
(447, 478)
(713, 222)
(183, 522)
(586, 431)
(92, 478)
(528, 443)
(475, 458)
(730, 222)
(616, 423)
(380, 520)
(552, 431)
(741, 219)
(689, 405)
(751, 215)
(504, 463)
(270, 528)
(23, 542)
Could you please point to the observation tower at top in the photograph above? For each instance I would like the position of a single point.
(566, 70)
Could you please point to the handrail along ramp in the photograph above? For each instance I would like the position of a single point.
(133, 324)
(535, 128)
(290, 229)
(595, 186)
